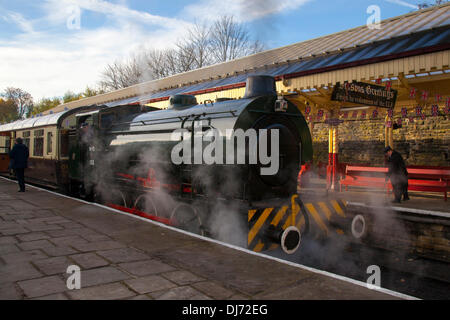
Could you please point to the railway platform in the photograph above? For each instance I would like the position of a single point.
(124, 257)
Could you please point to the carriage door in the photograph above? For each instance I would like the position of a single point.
(5, 143)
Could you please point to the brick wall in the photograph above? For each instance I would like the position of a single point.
(423, 142)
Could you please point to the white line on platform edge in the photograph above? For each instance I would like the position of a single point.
(403, 209)
(297, 265)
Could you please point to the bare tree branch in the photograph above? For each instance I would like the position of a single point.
(204, 45)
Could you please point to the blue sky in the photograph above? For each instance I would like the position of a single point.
(45, 51)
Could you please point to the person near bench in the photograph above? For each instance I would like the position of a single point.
(397, 173)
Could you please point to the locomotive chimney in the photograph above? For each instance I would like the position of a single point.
(260, 86)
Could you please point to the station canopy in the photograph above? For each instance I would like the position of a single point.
(38, 121)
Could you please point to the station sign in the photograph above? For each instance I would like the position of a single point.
(364, 93)
(334, 121)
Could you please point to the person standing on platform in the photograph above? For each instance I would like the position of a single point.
(19, 162)
(398, 174)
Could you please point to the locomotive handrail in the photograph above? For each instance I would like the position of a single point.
(283, 113)
(191, 115)
(144, 122)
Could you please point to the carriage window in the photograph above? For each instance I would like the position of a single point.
(26, 141)
(49, 142)
(4, 144)
(38, 143)
(26, 138)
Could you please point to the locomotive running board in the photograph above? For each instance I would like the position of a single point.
(136, 212)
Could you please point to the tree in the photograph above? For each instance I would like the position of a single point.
(22, 100)
(231, 40)
(198, 42)
(204, 44)
(424, 5)
(120, 75)
(91, 92)
(8, 111)
(70, 96)
(46, 104)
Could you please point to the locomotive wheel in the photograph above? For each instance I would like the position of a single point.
(120, 198)
(186, 217)
(115, 197)
(146, 204)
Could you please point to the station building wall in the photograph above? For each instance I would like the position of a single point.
(423, 142)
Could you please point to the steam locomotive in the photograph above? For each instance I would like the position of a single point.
(124, 157)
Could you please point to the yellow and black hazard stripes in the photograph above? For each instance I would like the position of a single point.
(259, 221)
(324, 217)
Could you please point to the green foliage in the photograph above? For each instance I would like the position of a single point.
(8, 111)
(46, 104)
(70, 96)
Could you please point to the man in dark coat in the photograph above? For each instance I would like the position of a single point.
(19, 162)
(398, 174)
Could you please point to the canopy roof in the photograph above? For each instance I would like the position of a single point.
(50, 119)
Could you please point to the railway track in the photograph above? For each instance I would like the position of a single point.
(400, 271)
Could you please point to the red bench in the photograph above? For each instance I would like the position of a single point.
(431, 180)
(358, 176)
(419, 179)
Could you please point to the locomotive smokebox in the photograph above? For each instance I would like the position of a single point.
(260, 86)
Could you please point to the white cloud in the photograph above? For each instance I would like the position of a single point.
(19, 20)
(242, 10)
(49, 59)
(46, 59)
(404, 3)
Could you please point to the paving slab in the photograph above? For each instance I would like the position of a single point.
(101, 275)
(8, 248)
(96, 246)
(17, 257)
(7, 240)
(213, 290)
(114, 291)
(123, 255)
(33, 245)
(147, 267)
(68, 240)
(89, 260)
(141, 297)
(18, 271)
(180, 293)
(182, 277)
(42, 286)
(13, 231)
(8, 291)
(149, 284)
(32, 236)
(57, 251)
(51, 266)
(56, 296)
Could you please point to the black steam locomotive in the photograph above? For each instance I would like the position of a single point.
(193, 165)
